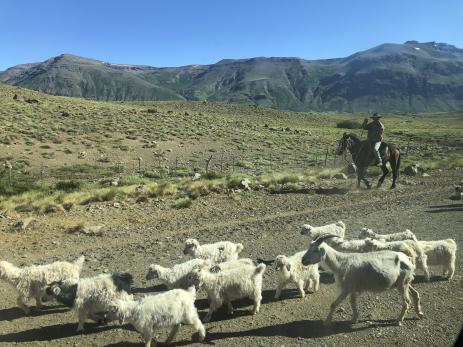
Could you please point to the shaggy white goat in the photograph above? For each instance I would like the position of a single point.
(441, 253)
(358, 272)
(174, 277)
(168, 309)
(291, 270)
(404, 235)
(92, 296)
(418, 255)
(227, 285)
(338, 228)
(30, 281)
(217, 252)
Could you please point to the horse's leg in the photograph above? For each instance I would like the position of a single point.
(385, 172)
(395, 166)
(364, 179)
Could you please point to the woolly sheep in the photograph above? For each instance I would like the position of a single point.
(92, 296)
(337, 228)
(31, 281)
(217, 252)
(417, 253)
(168, 309)
(441, 253)
(228, 285)
(400, 236)
(358, 272)
(174, 277)
(291, 270)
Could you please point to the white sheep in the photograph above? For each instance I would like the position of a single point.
(174, 277)
(400, 236)
(217, 252)
(338, 228)
(92, 296)
(228, 285)
(291, 270)
(358, 272)
(441, 253)
(413, 250)
(168, 309)
(31, 281)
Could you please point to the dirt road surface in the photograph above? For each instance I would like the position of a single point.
(136, 235)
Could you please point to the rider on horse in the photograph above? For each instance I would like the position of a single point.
(375, 135)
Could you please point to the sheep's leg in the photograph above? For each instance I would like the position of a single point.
(308, 285)
(451, 268)
(82, 319)
(300, 288)
(21, 301)
(424, 266)
(257, 300)
(353, 304)
(279, 289)
(416, 301)
(148, 342)
(173, 333)
(316, 283)
(406, 302)
(213, 306)
(38, 302)
(230, 307)
(335, 304)
(193, 319)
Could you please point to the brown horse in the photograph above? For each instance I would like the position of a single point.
(363, 157)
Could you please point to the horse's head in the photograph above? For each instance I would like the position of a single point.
(343, 144)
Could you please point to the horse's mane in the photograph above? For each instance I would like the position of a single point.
(354, 137)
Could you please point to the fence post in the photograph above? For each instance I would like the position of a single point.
(207, 163)
(408, 146)
(233, 164)
(326, 155)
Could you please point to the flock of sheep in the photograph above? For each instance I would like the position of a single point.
(374, 262)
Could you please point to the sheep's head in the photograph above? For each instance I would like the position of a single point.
(114, 312)
(316, 253)
(365, 232)
(306, 229)
(194, 277)
(190, 246)
(282, 261)
(153, 272)
(54, 288)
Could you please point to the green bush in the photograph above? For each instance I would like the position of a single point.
(132, 180)
(68, 186)
(183, 203)
(349, 124)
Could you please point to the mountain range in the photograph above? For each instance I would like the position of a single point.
(409, 77)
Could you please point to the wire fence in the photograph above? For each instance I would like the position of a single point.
(104, 168)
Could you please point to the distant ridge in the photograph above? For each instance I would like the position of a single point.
(409, 77)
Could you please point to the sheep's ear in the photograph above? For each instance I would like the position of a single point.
(322, 252)
(56, 290)
(288, 267)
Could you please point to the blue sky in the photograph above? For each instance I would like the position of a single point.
(181, 32)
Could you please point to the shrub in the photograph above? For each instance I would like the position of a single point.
(349, 124)
(183, 203)
(68, 186)
(132, 180)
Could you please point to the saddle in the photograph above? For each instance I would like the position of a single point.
(383, 149)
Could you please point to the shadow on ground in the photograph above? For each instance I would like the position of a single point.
(52, 332)
(13, 313)
(445, 208)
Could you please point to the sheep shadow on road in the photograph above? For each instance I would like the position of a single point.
(52, 332)
(10, 314)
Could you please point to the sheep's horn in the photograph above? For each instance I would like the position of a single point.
(323, 238)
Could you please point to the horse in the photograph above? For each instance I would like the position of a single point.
(363, 157)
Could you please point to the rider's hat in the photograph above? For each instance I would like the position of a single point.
(376, 116)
